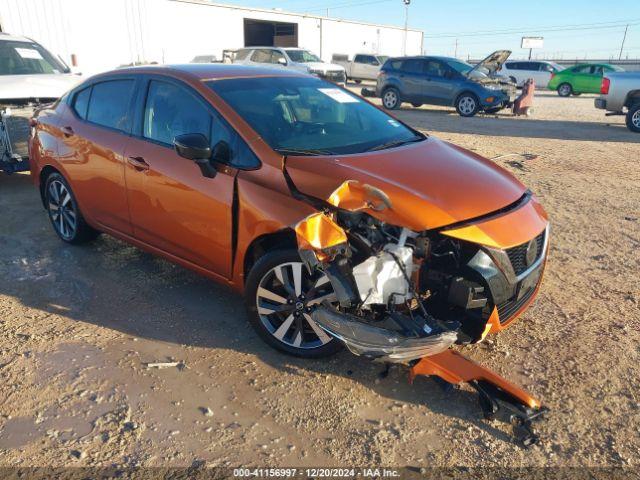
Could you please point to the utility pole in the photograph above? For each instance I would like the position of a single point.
(406, 25)
(455, 53)
(623, 39)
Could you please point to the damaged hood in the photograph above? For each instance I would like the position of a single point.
(430, 183)
(491, 64)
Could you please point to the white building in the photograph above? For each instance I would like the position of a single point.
(103, 34)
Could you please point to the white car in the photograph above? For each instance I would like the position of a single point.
(520, 71)
(29, 76)
(294, 58)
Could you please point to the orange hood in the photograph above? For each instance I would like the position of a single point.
(430, 183)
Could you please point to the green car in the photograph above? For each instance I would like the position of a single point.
(581, 78)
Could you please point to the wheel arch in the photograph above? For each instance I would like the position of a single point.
(279, 240)
(42, 179)
(633, 97)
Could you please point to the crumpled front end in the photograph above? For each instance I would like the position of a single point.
(402, 295)
(406, 297)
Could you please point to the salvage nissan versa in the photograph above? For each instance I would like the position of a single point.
(341, 224)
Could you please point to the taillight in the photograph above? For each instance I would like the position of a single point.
(604, 86)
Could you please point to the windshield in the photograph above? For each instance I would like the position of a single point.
(309, 116)
(27, 58)
(302, 56)
(460, 67)
(382, 59)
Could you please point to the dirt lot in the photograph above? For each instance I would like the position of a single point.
(79, 324)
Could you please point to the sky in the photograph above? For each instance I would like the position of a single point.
(571, 28)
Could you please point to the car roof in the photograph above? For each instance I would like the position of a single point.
(13, 38)
(205, 71)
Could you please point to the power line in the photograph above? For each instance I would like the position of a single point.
(585, 26)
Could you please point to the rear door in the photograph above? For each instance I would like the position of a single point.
(581, 78)
(412, 80)
(173, 206)
(95, 132)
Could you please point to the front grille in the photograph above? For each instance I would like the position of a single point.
(337, 76)
(17, 130)
(509, 308)
(518, 255)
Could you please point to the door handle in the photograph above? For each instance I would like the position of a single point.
(67, 131)
(138, 163)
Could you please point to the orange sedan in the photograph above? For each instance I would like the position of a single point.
(341, 224)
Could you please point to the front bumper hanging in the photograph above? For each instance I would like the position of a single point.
(499, 399)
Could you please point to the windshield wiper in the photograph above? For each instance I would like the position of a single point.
(394, 143)
(301, 151)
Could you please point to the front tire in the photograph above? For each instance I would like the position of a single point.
(633, 118)
(467, 105)
(65, 216)
(391, 98)
(278, 294)
(565, 89)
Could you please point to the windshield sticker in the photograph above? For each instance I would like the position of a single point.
(29, 53)
(338, 95)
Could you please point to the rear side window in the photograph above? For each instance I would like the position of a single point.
(170, 111)
(81, 102)
(413, 65)
(393, 64)
(109, 104)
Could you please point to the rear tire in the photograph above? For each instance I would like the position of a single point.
(565, 89)
(467, 105)
(633, 118)
(391, 98)
(277, 293)
(64, 213)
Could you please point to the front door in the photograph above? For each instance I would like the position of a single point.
(173, 206)
(438, 87)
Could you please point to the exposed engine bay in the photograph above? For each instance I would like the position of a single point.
(407, 297)
(14, 135)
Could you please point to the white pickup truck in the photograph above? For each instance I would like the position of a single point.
(364, 66)
(620, 95)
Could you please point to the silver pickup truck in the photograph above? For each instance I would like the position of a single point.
(364, 66)
(620, 95)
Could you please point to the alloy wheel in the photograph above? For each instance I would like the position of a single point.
(564, 90)
(284, 299)
(61, 209)
(635, 119)
(467, 105)
(390, 99)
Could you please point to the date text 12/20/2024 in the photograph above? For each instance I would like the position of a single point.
(315, 473)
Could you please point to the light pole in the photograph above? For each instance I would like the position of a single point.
(406, 25)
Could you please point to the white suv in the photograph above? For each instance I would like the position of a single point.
(521, 70)
(295, 58)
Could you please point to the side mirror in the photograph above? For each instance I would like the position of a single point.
(282, 61)
(221, 152)
(195, 147)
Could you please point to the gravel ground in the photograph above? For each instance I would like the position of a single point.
(79, 326)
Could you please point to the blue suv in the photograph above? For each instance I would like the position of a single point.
(446, 81)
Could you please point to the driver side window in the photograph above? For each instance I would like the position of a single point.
(171, 111)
